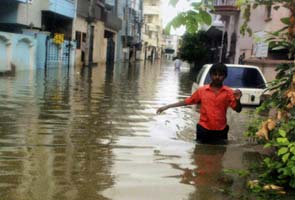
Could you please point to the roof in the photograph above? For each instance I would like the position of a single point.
(235, 65)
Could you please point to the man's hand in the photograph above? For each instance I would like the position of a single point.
(160, 110)
(238, 94)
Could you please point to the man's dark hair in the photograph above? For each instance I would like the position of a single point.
(219, 68)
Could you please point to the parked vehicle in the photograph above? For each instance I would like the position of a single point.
(247, 78)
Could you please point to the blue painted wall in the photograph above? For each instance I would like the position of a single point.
(19, 49)
(3, 56)
(41, 46)
(63, 7)
(21, 55)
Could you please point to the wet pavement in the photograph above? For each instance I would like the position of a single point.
(93, 134)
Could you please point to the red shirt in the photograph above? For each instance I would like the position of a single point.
(213, 106)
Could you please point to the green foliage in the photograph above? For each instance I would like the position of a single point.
(193, 18)
(194, 47)
(239, 172)
(279, 167)
(246, 16)
(253, 127)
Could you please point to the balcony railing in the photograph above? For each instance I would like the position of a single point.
(151, 10)
(153, 27)
(224, 3)
(225, 7)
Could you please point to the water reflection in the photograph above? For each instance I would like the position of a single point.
(92, 133)
(47, 149)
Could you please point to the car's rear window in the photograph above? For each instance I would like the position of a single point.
(241, 78)
(200, 74)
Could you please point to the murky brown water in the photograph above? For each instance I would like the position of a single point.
(71, 135)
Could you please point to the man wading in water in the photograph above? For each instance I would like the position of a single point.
(214, 100)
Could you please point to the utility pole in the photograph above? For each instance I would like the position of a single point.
(221, 45)
(126, 27)
(88, 46)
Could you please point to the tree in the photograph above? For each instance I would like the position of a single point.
(194, 48)
(277, 132)
(193, 18)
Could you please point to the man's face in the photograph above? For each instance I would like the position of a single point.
(217, 78)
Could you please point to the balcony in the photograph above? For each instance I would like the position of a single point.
(225, 7)
(151, 10)
(62, 7)
(153, 27)
(83, 9)
(112, 21)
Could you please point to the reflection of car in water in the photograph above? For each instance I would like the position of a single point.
(247, 78)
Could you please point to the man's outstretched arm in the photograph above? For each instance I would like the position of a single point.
(163, 108)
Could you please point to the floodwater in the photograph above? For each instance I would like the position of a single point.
(94, 135)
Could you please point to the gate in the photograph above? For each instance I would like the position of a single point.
(58, 54)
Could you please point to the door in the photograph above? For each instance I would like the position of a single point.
(110, 50)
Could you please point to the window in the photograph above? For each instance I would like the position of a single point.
(84, 37)
(268, 12)
(241, 78)
(78, 39)
(200, 75)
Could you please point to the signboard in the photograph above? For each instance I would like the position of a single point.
(58, 38)
(260, 48)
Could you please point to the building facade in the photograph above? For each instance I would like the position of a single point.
(129, 41)
(171, 46)
(263, 19)
(96, 29)
(27, 25)
(153, 42)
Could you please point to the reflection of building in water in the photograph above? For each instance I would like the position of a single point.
(56, 148)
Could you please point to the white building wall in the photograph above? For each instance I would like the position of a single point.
(275, 23)
(258, 22)
(30, 13)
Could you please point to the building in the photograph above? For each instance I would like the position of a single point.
(263, 19)
(171, 46)
(152, 30)
(96, 29)
(129, 44)
(216, 35)
(36, 34)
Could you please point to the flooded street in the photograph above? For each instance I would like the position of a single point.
(85, 135)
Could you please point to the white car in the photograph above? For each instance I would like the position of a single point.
(247, 78)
